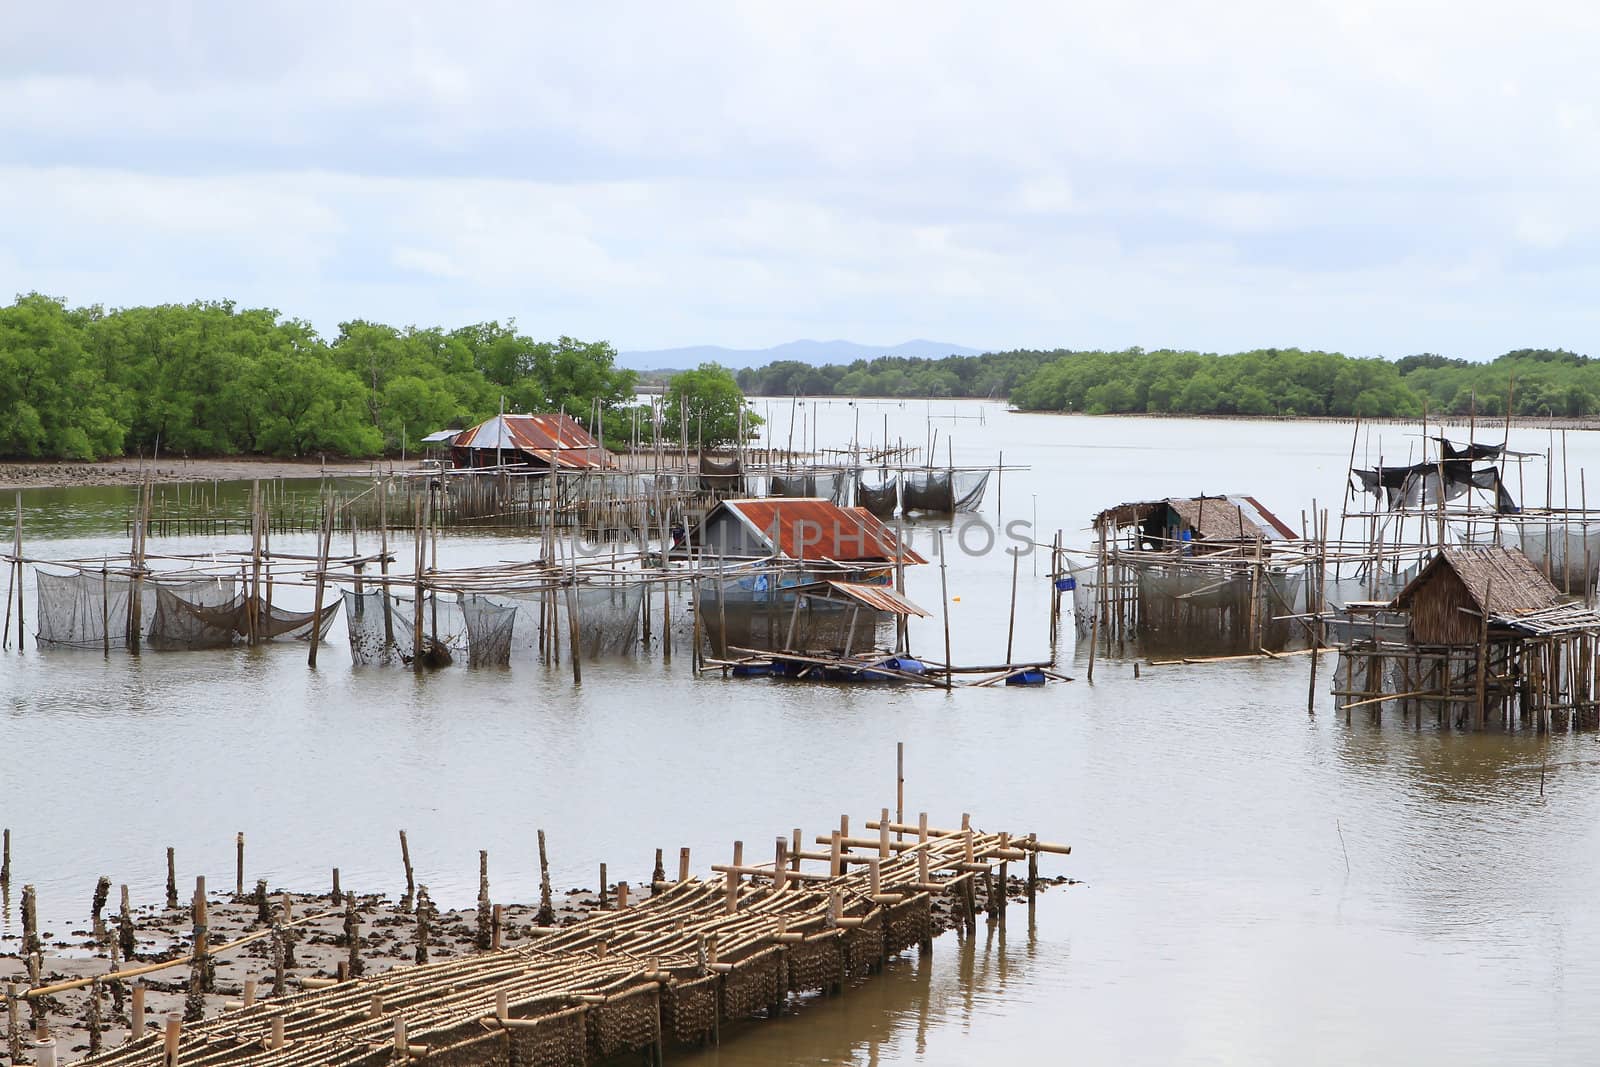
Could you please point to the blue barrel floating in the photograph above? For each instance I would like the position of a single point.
(1027, 677)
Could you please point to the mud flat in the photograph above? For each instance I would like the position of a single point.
(57, 475)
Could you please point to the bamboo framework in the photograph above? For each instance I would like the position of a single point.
(667, 971)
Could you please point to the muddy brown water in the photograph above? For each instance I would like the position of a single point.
(1260, 886)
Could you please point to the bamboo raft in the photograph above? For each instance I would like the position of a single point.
(666, 971)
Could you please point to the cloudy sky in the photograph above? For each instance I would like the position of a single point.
(1378, 178)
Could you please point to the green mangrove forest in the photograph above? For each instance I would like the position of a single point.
(1283, 382)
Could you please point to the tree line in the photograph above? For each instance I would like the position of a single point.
(209, 378)
(1284, 382)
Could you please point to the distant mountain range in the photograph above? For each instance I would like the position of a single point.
(815, 353)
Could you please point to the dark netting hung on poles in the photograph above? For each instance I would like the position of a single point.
(608, 617)
(383, 629)
(180, 624)
(928, 491)
(490, 626)
(795, 484)
(721, 477)
(881, 499)
(85, 610)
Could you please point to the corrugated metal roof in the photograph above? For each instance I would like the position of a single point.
(441, 435)
(812, 529)
(881, 597)
(556, 439)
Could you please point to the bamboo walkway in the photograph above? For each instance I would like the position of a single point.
(664, 971)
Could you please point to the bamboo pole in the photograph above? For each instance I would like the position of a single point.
(944, 605)
(322, 581)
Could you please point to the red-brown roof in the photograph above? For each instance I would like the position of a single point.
(809, 529)
(557, 439)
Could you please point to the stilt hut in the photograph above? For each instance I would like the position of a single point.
(547, 441)
(759, 553)
(1487, 637)
(1197, 575)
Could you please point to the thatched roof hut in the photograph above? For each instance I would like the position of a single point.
(1206, 520)
(1448, 598)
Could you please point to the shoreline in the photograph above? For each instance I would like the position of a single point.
(59, 474)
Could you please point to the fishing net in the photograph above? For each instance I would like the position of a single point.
(498, 629)
(967, 487)
(1568, 553)
(791, 484)
(721, 477)
(608, 617)
(826, 485)
(743, 613)
(90, 610)
(181, 624)
(929, 491)
(83, 610)
(1348, 587)
(382, 629)
(881, 499)
(489, 629)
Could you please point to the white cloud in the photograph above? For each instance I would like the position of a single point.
(1214, 176)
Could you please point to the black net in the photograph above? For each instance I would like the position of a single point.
(181, 624)
(84, 610)
(928, 491)
(726, 476)
(490, 627)
(881, 499)
(495, 630)
(383, 629)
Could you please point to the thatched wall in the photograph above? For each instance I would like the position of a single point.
(1437, 617)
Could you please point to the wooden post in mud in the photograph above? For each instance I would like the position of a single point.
(322, 584)
(238, 866)
(173, 1032)
(172, 880)
(603, 884)
(411, 881)
(136, 1021)
(944, 604)
(547, 911)
(485, 905)
(5, 860)
(683, 865)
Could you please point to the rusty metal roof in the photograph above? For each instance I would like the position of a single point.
(881, 597)
(557, 439)
(803, 528)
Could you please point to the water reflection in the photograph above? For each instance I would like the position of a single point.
(927, 1007)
